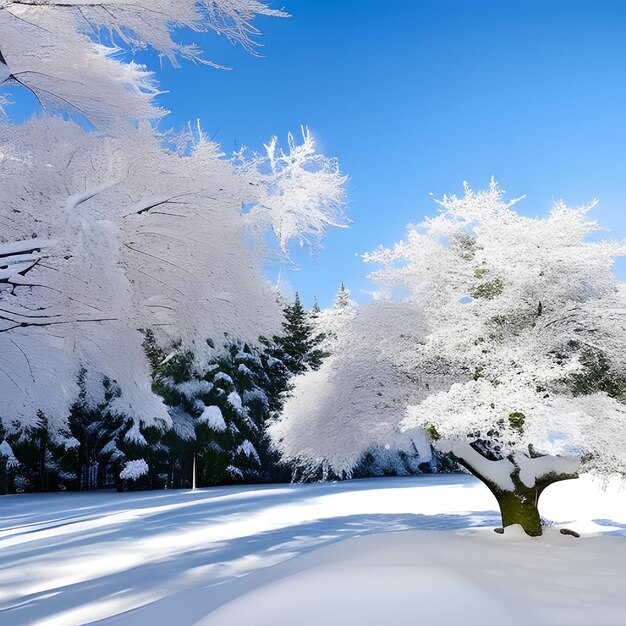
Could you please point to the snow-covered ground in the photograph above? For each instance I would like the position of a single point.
(298, 555)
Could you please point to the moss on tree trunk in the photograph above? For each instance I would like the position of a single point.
(519, 506)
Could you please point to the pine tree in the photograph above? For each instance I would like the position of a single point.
(298, 346)
(93, 461)
(342, 299)
(219, 416)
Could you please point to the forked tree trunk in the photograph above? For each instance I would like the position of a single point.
(519, 506)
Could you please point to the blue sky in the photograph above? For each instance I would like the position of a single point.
(413, 97)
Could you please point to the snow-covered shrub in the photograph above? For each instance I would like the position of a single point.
(134, 470)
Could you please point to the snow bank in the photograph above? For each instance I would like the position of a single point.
(178, 557)
(438, 578)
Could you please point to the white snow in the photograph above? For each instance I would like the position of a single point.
(7, 452)
(235, 472)
(134, 470)
(255, 395)
(221, 376)
(248, 450)
(533, 468)
(234, 399)
(499, 472)
(428, 577)
(192, 388)
(212, 417)
(275, 555)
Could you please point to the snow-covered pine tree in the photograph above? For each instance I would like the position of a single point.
(342, 298)
(7, 463)
(219, 415)
(331, 322)
(315, 308)
(45, 457)
(96, 459)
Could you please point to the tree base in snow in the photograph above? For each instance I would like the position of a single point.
(520, 505)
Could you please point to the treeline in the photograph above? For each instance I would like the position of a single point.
(217, 434)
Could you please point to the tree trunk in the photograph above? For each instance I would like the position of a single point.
(4, 476)
(519, 506)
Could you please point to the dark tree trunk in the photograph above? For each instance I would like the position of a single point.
(4, 476)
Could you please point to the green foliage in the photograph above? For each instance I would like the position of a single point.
(465, 246)
(45, 459)
(432, 433)
(488, 290)
(96, 431)
(598, 375)
(516, 421)
(298, 345)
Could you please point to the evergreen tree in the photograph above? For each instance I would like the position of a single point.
(218, 415)
(298, 346)
(93, 461)
(44, 457)
(342, 299)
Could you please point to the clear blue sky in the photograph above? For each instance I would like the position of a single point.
(416, 96)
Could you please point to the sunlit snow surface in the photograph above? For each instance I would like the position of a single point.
(276, 555)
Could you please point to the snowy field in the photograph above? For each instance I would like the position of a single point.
(398, 550)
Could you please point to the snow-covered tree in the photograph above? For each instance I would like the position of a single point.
(72, 54)
(331, 322)
(106, 234)
(354, 402)
(7, 462)
(519, 367)
(342, 299)
(115, 235)
(218, 415)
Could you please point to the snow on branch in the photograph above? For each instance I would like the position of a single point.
(129, 236)
(133, 470)
(71, 54)
(297, 194)
(519, 307)
(105, 268)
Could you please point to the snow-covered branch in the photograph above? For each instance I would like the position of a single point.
(71, 54)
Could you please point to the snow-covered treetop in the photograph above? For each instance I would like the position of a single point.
(342, 298)
(332, 323)
(528, 315)
(69, 54)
